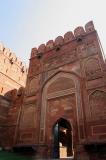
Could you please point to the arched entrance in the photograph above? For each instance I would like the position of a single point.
(62, 139)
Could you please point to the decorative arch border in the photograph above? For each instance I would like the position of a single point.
(79, 111)
(57, 72)
(101, 90)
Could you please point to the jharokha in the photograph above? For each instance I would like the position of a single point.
(61, 110)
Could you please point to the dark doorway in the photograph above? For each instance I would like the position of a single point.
(62, 139)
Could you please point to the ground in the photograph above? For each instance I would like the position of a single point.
(11, 156)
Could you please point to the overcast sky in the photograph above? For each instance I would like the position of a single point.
(25, 24)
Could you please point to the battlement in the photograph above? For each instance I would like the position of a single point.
(78, 33)
(13, 71)
(12, 58)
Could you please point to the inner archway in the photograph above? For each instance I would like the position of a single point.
(62, 139)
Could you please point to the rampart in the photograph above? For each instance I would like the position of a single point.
(13, 71)
(78, 33)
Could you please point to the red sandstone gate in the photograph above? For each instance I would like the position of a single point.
(66, 78)
(61, 98)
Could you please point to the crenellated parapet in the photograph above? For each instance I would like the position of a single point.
(13, 71)
(78, 33)
(7, 53)
(10, 56)
(74, 46)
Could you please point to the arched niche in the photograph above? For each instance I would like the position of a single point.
(92, 69)
(33, 86)
(97, 101)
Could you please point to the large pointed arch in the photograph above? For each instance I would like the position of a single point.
(76, 80)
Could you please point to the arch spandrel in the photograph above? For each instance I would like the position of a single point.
(62, 83)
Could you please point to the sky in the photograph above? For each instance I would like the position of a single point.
(25, 24)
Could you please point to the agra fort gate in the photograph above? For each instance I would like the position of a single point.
(64, 107)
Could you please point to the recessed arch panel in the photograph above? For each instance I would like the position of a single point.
(69, 93)
(97, 101)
